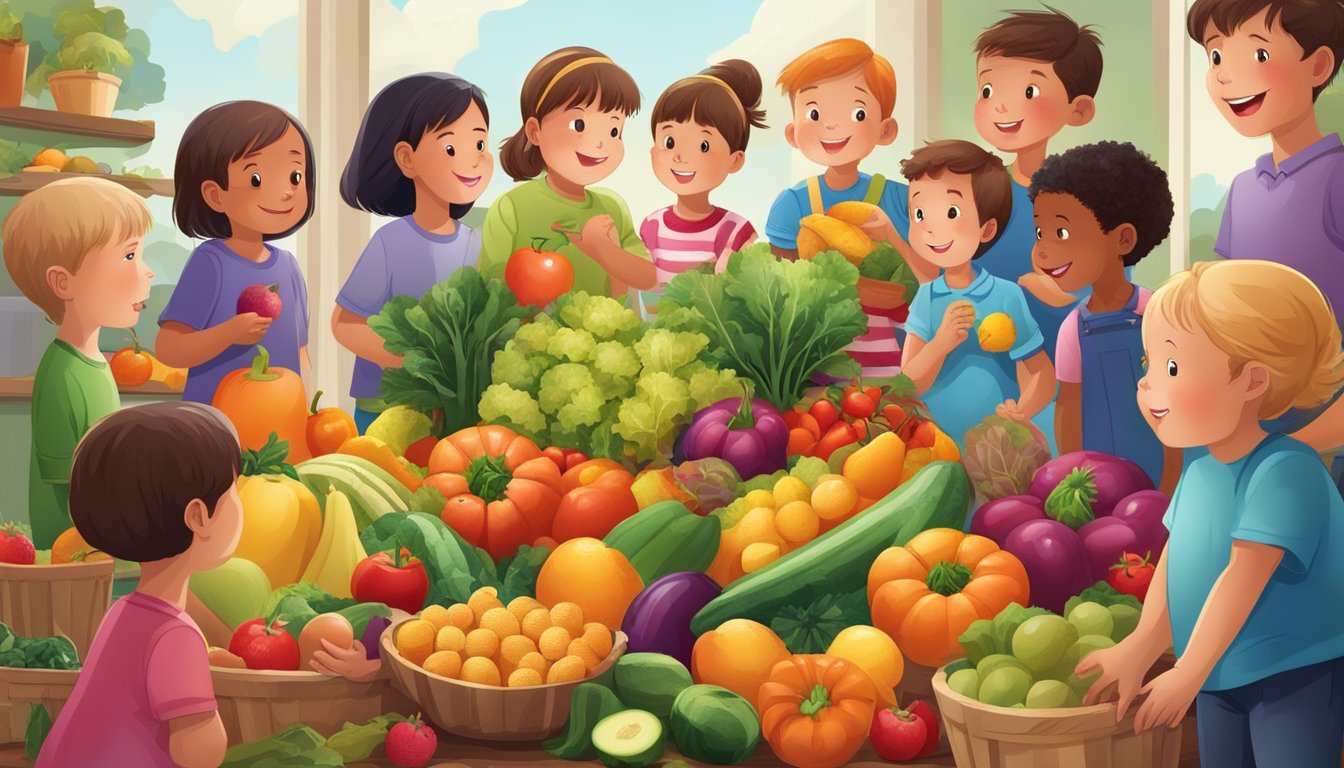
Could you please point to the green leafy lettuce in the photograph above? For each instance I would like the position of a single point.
(518, 574)
(39, 725)
(1102, 594)
(357, 741)
(987, 637)
(887, 265)
(295, 745)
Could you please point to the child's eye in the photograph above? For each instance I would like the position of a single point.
(986, 91)
(669, 143)
(256, 179)
(919, 214)
(450, 149)
(1261, 55)
(860, 114)
(814, 114)
(1171, 367)
(1033, 91)
(296, 178)
(1038, 233)
(480, 146)
(953, 212)
(1216, 56)
(129, 257)
(576, 125)
(704, 146)
(615, 133)
(1062, 233)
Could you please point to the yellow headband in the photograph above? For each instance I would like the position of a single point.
(741, 110)
(565, 70)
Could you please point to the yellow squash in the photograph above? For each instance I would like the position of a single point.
(281, 526)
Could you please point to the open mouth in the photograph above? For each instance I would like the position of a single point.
(1012, 127)
(1057, 272)
(944, 248)
(684, 177)
(1245, 107)
(277, 213)
(834, 146)
(1159, 413)
(590, 161)
(470, 181)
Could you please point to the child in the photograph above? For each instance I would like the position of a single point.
(574, 103)
(423, 154)
(243, 176)
(1257, 526)
(75, 248)
(960, 199)
(1099, 210)
(700, 129)
(156, 485)
(843, 95)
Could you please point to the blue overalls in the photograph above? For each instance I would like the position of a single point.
(1111, 346)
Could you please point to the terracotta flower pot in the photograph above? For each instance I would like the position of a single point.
(83, 92)
(13, 69)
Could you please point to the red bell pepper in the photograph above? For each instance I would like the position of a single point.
(399, 582)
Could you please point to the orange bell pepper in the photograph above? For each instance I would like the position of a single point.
(872, 467)
(816, 710)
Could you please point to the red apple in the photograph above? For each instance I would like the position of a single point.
(262, 299)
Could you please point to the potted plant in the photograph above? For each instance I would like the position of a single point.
(85, 83)
(13, 57)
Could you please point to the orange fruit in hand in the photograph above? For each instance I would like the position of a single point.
(738, 656)
(596, 578)
(131, 366)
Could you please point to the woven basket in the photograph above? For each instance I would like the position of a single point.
(256, 703)
(21, 688)
(46, 600)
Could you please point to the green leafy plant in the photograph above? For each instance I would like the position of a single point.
(81, 35)
(11, 28)
(94, 52)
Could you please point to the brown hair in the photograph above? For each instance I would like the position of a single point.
(221, 135)
(991, 187)
(838, 57)
(554, 84)
(1052, 37)
(726, 97)
(1314, 24)
(136, 471)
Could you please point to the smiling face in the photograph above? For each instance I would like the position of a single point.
(1021, 103)
(266, 191)
(112, 284)
(945, 227)
(689, 158)
(1071, 246)
(451, 162)
(1258, 77)
(838, 122)
(580, 143)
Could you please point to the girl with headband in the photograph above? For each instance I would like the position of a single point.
(574, 106)
(700, 128)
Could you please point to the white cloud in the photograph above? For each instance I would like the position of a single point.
(425, 35)
(234, 21)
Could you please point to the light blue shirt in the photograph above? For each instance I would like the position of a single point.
(781, 227)
(1280, 495)
(973, 382)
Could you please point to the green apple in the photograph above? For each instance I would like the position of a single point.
(236, 591)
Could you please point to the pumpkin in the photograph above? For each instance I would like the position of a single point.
(925, 594)
(261, 400)
(377, 452)
(816, 711)
(70, 547)
(327, 429)
(131, 366)
(501, 491)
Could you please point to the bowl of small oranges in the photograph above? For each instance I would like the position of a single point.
(496, 672)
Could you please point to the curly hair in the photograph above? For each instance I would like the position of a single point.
(1119, 184)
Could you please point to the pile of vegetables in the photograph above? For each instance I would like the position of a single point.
(702, 485)
(36, 652)
(297, 744)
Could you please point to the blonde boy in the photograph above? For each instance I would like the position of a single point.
(75, 249)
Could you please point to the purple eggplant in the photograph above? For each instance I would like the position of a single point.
(996, 519)
(1143, 511)
(1110, 478)
(1055, 559)
(1105, 540)
(372, 634)
(749, 434)
(659, 619)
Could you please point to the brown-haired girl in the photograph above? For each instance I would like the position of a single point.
(574, 104)
(700, 129)
(244, 175)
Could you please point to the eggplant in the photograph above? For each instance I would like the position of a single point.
(372, 634)
(659, 619)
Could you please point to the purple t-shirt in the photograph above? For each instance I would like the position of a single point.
(401, 259)
(1292, 215)
(148, 665)
(207, 295)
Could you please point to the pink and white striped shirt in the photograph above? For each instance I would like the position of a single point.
(677, 245)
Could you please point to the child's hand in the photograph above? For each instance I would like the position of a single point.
(248, 328)
(1046, 289)
(598, 232)
(351, 663)
(1170, 695)
(879, 227)
(956, 325)
(1119, 669)
(1009, 409)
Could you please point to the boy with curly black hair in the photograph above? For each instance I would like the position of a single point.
(1100, 208)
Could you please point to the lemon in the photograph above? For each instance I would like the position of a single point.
(789, 489)
(997, 332)
(760, 498)
(873, 651)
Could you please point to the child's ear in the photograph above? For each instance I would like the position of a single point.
(197, 518)
(1126, 237)
(890, 129)
(1256, 377)
(405, 158)
(1082, 110)
(532, 130)
(1322, 66)
(736, 161)
(213, 195)
(790, 135)
(989, 230)
(58, 280)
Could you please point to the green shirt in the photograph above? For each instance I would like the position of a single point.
(70, 393)
(526, 213)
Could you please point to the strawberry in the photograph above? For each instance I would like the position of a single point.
(411, 744)
(1132, 575)
(15, 547)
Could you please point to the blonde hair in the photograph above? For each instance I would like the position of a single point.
(1259, 311)
(59, 224)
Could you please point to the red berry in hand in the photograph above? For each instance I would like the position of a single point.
(411, 744)
(262, 299)
(16, 548)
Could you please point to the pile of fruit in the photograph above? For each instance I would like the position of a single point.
(52, 160)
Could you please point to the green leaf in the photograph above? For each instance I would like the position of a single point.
(39, 725)
(356, 742)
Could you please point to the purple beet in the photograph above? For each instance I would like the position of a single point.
(1055, 560)
(1114, 478)
(659, 619)
(1143, 511)
(1105, 540)
(372, 634)
(996, 519)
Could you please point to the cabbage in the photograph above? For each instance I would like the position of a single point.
(1001, 457)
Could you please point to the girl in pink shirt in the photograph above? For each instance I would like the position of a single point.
(700, 128)
(155, 485)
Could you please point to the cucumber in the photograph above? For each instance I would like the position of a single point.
(837, 562)
(629, 739)
(666, 538)
(588, 705)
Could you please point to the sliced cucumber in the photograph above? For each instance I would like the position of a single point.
(629, 739)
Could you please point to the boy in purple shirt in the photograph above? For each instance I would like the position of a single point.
(156, 485)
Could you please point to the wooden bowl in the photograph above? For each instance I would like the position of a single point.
(487, 712)
(254, 704)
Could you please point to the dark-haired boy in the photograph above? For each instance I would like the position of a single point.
(1100, 209)
(156, 485)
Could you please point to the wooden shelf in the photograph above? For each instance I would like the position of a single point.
(26, 181)
(22, 389)
(49, 128)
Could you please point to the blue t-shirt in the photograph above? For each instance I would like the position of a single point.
(781, 227)
(1281, 495)
(972, 382)
(401, 259)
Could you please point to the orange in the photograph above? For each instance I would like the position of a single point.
(580, 648)
(450, 638)
(797, 522)
(534, 661)
(523, 677)
(569, 617)
(436, 615)
(521, 606)
(415, 640)
(460, 616)
(738, 656)
(483, 600)
(513, 648)
(554, 643)
(566, 670)
(479, 670)
(834, 498)
(483, 643)
(500, 621)
(444, 664)
(598, 579)
(598, 638)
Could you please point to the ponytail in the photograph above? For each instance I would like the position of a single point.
(520, 158)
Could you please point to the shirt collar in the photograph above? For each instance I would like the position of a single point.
(978, 289)
(1264, 166)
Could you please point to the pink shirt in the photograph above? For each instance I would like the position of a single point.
(1068, 348)
(148, 665)
(677, 245)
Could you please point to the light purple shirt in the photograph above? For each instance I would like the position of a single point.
(207, 295)
(401, 259)
(1292, 215)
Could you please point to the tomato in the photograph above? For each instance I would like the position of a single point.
(894, 414)
(840, 434)
(923, 436)
(858, 405)
(593, 509)
(263, 647)
(1132, 575)
(898, 735)
(825, 413)
(398, 583)
(800, 441)
(923, 711)
(538, 277)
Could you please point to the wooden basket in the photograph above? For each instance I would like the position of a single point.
(21, 688)
(984, 736)
(487, 712)
(46, 600)
(256, 703)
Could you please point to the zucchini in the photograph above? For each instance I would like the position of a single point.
(837, 562)
(666, 538)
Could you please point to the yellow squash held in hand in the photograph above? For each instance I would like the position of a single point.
(998, 332)
(819, 232)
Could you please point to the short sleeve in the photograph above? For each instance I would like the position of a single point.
(1286, 504)
(625, 228)
(1068, 351)
(498, 234)
(744, 234)
(177, 675)
(197, 292)
(781, 226)
(1333, 209)
(1169, 517)
(57, 429)
(301, 293)
(648, 231)
(921, 322)
(1223, 245)
(896, 204)
(369, 285)
(1029, 338)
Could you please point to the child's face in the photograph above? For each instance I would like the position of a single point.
(581, 143)
(111, 286)
(453, 161)
(215, 542)
(945, 227)
(1257, 75)
(689, 158)
(838, 121)
(1187, 394)
(267, 193)
(1020, 103)
(1070, 244)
